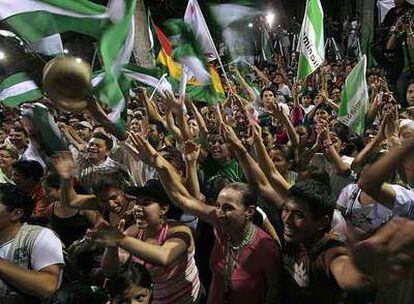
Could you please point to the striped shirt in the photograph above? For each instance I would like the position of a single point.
(177, 283)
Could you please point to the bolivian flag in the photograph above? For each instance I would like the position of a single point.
(211, 92)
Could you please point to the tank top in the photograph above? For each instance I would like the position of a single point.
(177, 283)
(69, 229)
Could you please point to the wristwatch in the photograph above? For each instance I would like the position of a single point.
(393, 29)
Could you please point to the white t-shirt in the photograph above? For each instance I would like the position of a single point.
(282, 92)
(404, 202)
(46, 251)
(368, 218)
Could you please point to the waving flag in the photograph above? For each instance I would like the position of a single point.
(17, 89)
(38, 21)
(354, 100)
(162, 48)
(311, 46)
(194, 16)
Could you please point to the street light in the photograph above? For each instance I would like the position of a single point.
(2, 55)
(250, 25)
(270, 17)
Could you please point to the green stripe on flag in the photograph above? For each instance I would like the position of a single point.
(354, 99)
(17, 89)
(311, 44)
(36, 19)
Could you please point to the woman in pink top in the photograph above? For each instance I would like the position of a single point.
(245, 261)
(165, 248)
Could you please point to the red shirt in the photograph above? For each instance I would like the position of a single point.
(258, 261)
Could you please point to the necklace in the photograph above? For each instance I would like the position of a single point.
(231, 256)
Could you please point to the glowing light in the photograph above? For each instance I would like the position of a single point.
(65, 51)
(2, 55)
(270, 17)
(78, 60)
(250, 25)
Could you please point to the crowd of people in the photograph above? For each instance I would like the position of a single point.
(265, 198)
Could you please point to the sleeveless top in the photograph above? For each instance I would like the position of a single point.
(177, 283)
(69, 229)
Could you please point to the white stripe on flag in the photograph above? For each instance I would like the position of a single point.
(51, 45)
(18, 89)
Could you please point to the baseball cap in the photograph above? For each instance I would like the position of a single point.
(153, 190)
(85, 124)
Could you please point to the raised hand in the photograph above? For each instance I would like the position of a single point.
(191, 151)
(65, 165)
(231, 137)
(109, 236)
(146, 152)
(277, 111)
(173, 104)
(256, 131)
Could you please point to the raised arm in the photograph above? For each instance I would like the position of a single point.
(254, 175)
(151, 108)
(199, 118)
(373, 180)
(278, 113)
(65, 167)
(171, 181)
(265, 162)
(191, 155)
(243, 83)
(359, 160)
(342, 168)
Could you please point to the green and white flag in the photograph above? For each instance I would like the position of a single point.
(112, 26)
(354, 100)
(311, 46)
(17, 89)
(267, 47)
(187, 50)
(194, 16)
(150, 77)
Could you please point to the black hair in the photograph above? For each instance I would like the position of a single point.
(13, 198)
(316, 195)
(108, 141)
(30, 169)
(317, 174)
(286, 151)
(52, 180)
(248, 194)
(132, 274)
(19, 128)
(267, 89)
(105, 182)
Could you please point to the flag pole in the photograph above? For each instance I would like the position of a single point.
(215, 49)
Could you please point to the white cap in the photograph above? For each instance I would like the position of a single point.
(410, 1)
(85, 124)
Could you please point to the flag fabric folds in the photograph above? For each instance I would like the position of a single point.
(39, 21)
(311, 46)
(355, 98)
(267, 47)
(17, 89)
(194, 16)
(211, 92)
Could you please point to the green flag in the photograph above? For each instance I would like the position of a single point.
(187, 50)
(267, 47)
(354, 100)
(112, 26)
(17, 89)
(311, 46)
